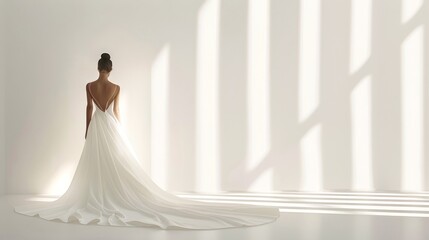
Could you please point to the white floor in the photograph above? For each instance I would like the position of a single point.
(330, 216)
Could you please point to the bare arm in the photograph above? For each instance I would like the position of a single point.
(88, 108)
(116, 104)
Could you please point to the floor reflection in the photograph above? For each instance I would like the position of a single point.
(380, 204)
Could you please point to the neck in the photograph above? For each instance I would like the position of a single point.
(103, 76)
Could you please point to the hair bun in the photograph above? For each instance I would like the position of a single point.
(105, 56)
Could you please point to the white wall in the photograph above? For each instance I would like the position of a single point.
(335, 117)
(2, 104)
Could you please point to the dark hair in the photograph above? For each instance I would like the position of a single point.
(105, 63)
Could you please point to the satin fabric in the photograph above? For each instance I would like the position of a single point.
(110, 187)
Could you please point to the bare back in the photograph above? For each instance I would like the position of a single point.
(103, 93)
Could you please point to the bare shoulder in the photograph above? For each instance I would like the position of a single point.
(116, 86)
(112, 84)
(87, 85)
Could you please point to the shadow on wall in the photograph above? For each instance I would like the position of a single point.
(303, 95)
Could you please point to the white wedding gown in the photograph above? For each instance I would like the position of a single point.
(110, 187)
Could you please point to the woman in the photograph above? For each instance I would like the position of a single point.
(110, 187)
(102, 89)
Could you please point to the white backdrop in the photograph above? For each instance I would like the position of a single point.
(2, 104)
(249, 95)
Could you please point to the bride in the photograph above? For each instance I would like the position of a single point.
(110, 187)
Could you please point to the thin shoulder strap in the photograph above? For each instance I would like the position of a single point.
(95, 100)
(113, 96)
